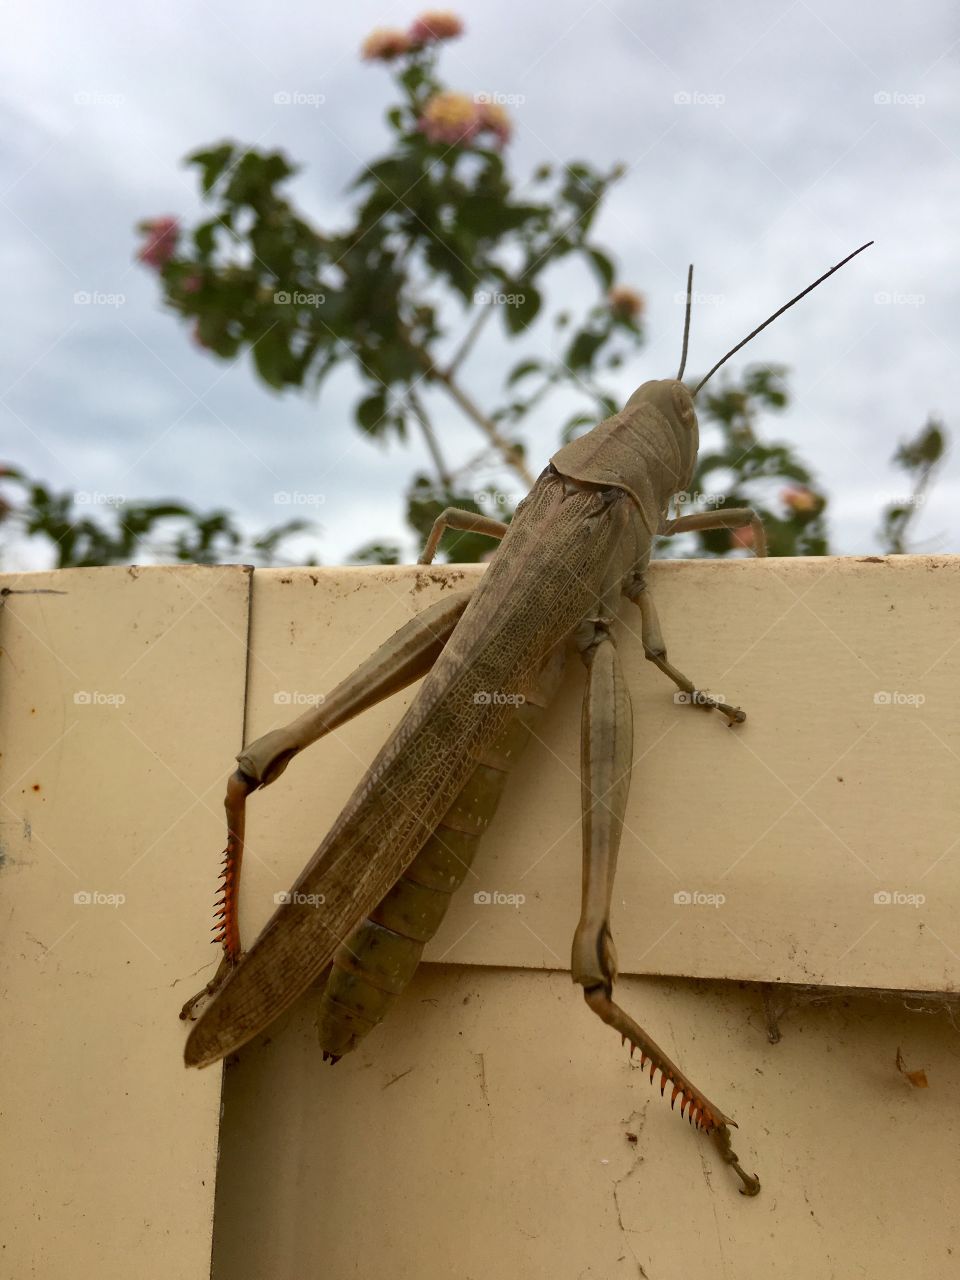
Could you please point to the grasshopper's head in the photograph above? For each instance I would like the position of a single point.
(674, 403)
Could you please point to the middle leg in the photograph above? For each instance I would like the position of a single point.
(605, 765)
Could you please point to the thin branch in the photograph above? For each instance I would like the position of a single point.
(471, 336)
(443, 472)
(508, 451)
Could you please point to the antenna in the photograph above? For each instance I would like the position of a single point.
(686, 322)
(785, 307)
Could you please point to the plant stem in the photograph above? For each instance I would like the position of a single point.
(443, 473)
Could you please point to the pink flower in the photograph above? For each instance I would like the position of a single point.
(161, 243)
(625, 302)
(801, 500)
(192, 283)
(435, 24)
(495, 118)
(385, 43)
(450, 117)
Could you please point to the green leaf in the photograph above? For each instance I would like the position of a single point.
(522, 369)
(583, 348)
(371, 413)
(520, 314)
(412, 77)
(271, 356)
(204, 237)
(603, 267)
(211, 163)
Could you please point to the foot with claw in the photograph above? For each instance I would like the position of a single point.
(721, 1136)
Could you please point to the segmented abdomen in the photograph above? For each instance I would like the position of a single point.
(372, 967)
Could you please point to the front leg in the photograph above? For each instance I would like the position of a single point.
(655, 650)
(605, 768)
(464, 522)
(725, 518)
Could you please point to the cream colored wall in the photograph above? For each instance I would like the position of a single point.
(482, 1130)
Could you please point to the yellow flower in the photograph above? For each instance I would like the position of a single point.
(385, 43)
(450, 117)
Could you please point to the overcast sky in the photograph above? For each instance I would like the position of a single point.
(809, 129)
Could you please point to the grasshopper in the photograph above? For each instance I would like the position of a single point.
(492, 659)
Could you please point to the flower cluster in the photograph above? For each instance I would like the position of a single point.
(386, 43)
(801, 501)
(625, 302)
(454, 117)
(161, 242)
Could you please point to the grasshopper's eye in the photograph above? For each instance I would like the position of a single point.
(683, 405)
